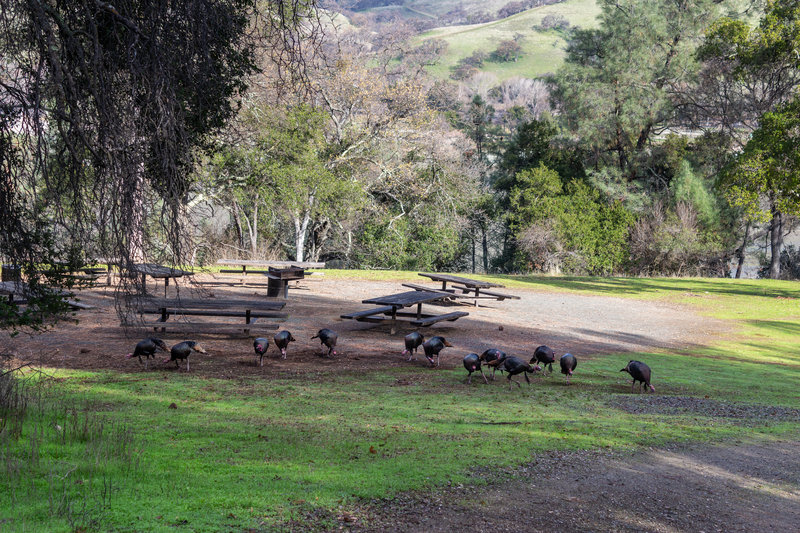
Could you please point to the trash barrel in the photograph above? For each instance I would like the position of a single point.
(274, 287)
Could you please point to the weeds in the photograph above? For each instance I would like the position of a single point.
(60, 452)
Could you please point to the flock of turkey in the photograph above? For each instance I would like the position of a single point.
(543, 356)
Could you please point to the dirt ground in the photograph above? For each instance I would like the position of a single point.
(749, 487)
(582, 325)
(745, 487)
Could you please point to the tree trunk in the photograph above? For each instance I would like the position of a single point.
(473, 252)
(237, 219)
(776, 244)
(485, 243)
(741, 250)
(300, 228)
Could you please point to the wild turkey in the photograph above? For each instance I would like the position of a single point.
(260, 345)
(545, 356)
(473, 363)
(147, 348)
(568, 363)
(515, 365)
(183, 350)
(433, 346)
(413, 341)
(639, 372)
(494, 358)
(282, 340)
(328, 337)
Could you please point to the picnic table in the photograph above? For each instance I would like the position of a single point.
(252, 311)
(470, 288)
(390, 305)
(157, 272)
(18, 292)
(253, 264)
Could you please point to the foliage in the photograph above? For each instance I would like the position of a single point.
(789, 261)
(509, 50)
(769, 166)
(406, 244)
(590, 235)
(614, 90)
(103, 110)
(669, 240)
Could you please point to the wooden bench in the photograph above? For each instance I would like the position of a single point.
(251, 312)
(429, 289)
(204, 327)
(484, 293)
(429, 321)
(369, 312)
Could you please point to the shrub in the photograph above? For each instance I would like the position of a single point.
(509, 50)
(554, 21)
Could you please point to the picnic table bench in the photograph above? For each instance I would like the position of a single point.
(252, 311)
(390, 305)
(471, 289)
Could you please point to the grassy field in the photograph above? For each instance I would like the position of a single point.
(543, 50)
(252, 453)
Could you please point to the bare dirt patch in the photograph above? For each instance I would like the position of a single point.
(748, 487)
(583, 325)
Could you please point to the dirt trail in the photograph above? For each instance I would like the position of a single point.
(746, 487)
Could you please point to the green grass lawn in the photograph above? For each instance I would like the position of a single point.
(256, 453)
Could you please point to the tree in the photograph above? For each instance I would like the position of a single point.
(769, 169)
(615, 88)
(509, 50)
(749, 77)
(104, 108)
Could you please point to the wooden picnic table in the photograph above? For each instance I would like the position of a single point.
(157, 272)
(467, 286)
(18, 293)
(391, 304)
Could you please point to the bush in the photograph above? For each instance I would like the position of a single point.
(554, 22)
(668, 241)
(790, 264)
(509, 50)
(570, 229)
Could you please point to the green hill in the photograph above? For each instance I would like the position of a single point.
(543, 50)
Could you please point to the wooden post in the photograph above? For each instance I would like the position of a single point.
(166, 284)
(477, 292)
(394, 320)
(419, 310)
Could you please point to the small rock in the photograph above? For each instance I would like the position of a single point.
(173, 406)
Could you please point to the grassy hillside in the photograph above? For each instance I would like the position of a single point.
(543, 51)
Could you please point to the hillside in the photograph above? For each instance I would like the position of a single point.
(543, 50)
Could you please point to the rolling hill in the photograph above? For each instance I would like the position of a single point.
(543, 50)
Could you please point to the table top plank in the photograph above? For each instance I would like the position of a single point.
(407, 299)
(464, 281)
(266, 264)
(159, 271)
